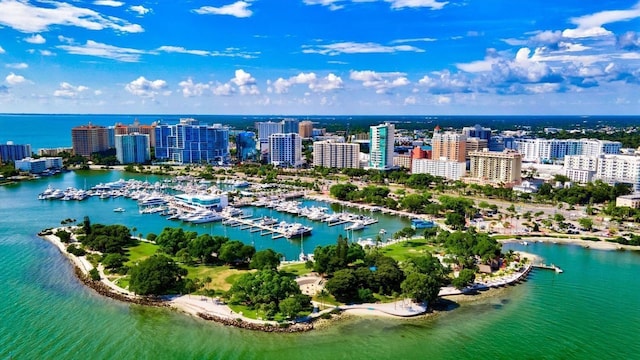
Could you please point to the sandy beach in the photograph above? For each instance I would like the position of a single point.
(598, 245)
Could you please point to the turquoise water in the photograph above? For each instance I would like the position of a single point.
(588, 312)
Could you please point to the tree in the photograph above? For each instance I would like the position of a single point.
(465, 278)
(236, 252)
(343, 285)
(265, 260)
(64, 236)
(455, 220)
(586, 223)
(86, 225)
(113, 261)
(263, 287)
(156, 275)
(291, 306)
(421, 287)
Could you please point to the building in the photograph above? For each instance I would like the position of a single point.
(290, 126)
(266, 129)
(88, 139)
(305, 129)
(632, 201)
(496, 167)
(188, 142)
(333, 154)
(285, 150)
(501, 143)
(449, 145)
(54, 151)
(609, 168)
(381, 139)
(133, 148)
(246, 146)
(37, 166)
(193, 202)
(13, 152)
(477, 131)
(551, 150)
(475, 144)
(452, 170)
(402, 161)
(135, 128)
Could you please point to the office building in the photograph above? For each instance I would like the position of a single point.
(89, 139)
(133, 148)
(475, 144)
(40, 165)
(285, 150)
(333, 154)
(266, 129)
(246, 146)
(290, 126)
(488, 167)
(13, 152)
(452, 170)
(551, 150)
(381, 142)
(188, 142)
(477, 131)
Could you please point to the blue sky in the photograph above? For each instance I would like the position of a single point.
(320, 57)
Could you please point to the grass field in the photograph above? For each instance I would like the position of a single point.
(407, 249)
(140, 252)
(297, 269)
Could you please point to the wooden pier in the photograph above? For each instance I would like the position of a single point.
(548, 267)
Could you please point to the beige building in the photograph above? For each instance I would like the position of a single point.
(305, 129)
(475, 144)
(496, 167)
(449, 145)
(333, 154)
(88, 139)
(403, 160)
(632, 201)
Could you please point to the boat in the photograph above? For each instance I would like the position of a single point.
(266, 221)
(357, 225)
(295, 229)
(231, 211)
(204, 217)
(118, 209)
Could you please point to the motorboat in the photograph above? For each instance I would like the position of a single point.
(118, 209)
(204, 217)
(357, 225)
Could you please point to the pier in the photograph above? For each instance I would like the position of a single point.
(276, 230)
(548, 267)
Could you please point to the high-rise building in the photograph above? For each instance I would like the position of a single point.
(496, 167)
(305, 129)
(266, 129)
(290, 126)
(449, 145)
(13, 152)
(609, 168)
(475, 144)
(88, 139)
(477, 131)
(548, 150)
(332, 154)
(381, 139)
(188, 142)
(452, 170)
(246, 145)
(133, 148)
(285, 150)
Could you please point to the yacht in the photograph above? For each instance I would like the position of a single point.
(204, 217)
(357, 225)
(118, 209)
(231, 211)
(152, 200)
(266, 221)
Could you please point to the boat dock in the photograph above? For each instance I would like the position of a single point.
(276, 230)
(548, 267)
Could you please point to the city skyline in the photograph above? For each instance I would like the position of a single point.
(320, 57)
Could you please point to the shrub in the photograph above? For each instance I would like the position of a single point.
(94, 274)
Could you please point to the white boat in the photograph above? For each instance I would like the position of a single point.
(357, 225)
(231, 211)
(266, 221)
(152, 200)
(204, 217)
(118, 209)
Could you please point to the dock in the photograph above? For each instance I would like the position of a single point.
(548, 267)
(248, 223)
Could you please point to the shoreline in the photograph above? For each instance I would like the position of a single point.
(589, 244)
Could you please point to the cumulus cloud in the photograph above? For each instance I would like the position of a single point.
(190, 89)
(110, 3)
(13, 79)
(18, 66)
(30, 18)
(2, 50)
(629, 41)
(281, 86)
(69, 91)
(93, 48)
(444, 82)
(223, 90)
(245, 82)
(141, 10)
(383, 82)
(147, 88)
(395, 4)
(350, 47)
(592, 25)
(239, 9)
(35, 39)
(328, 83)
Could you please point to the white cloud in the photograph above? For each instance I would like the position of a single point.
(30, 18)
(141, 10)
(243, 78)
(2, 50)
(229, 52)
(191, 89)
(97, 92)
(46, 53)
(223, 90)
(111, 3)
(383, 82)
(444, 82)
(146, 88)
(592, 25)
(410, 100)
(181, 50)
(69, 91)
(443, 100)
(432, 4)
(64, 39)
(17, 66)
(93, 48)
(350, 47)
(35, 39)
(238, 9)
(402, 41)
(281, 85)
(13, 79)
(328, 83)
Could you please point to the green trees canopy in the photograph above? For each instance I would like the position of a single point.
(236, 252)
(107, 239)
(421, 287)
(265, 260)
(263, 287)
(465, 278)
(172, 240)
(342, 191)
(156, 275)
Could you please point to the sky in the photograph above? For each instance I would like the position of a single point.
(320, 57)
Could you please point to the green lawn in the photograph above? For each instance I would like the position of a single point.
(140, 252)
(298, 269)
(253, 314)
(407, 249)
(222, 277)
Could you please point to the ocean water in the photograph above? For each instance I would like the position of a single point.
(588, 312)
